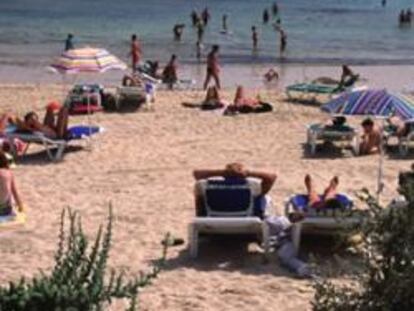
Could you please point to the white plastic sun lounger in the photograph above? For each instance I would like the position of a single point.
(54, 147)
(224, 217)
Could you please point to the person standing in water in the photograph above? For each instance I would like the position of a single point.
(265, 16)
(275, 9)
(200, 31)
(135, 52)
(69, 42)
(254, 38)
(205, 16)
(198, 50)
(178, 31)
(213, 67)
(283, 40)
(194, 18)
(384, 3)
(224, 23)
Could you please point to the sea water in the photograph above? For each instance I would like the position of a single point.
(32, 32)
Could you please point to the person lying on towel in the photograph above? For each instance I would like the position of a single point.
(261, 183)
(54, 125)
(243, 104)
(8, 188)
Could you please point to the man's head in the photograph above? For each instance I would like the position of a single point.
(173, 57)
(134, 37)
(235, 169)
(70, 36)
(215, 48)
(367, 125)
(31, 117)
(253, 28)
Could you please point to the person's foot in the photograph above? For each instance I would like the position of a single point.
(308, 181)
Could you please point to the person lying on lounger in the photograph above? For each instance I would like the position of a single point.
(237, 170)
(399, 127)
(8, 188)
(243, 104)
(131, 80)
(371, 138)
(55, 123)
(327, 199)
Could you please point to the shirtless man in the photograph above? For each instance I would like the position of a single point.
(371, 139)
(169, 74)
(213, 67)
(236, 170)
(135, 52)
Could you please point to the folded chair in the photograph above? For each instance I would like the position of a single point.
(229, 209)
(324, 221)
(54, 147)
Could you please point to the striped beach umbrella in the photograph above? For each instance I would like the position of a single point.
(372, 102)
(88, 59)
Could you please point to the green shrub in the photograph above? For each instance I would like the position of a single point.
(387, 280)
(79, 280)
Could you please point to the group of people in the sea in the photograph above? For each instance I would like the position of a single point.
(405, 17)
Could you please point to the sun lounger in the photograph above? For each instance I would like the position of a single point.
(326, 221)
(229, 208)
(74, 133)
(320, 132)
(129, 93)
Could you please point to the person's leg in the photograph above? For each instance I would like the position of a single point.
(313, 196)
(330, 191)
(287, 256)
(62, 122)
(49, 119)
(207, 81)
(217, 80)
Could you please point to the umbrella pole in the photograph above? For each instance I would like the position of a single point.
(380, 184)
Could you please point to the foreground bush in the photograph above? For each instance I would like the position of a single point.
(387, 281)
(79, 280)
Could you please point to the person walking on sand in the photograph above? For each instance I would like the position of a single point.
(135, 52)
(213, 67)
(255, 38)
(69, 42)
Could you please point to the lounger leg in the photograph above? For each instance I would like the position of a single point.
(193, 238)
(266, 240)
(296, 235)
(59, 152)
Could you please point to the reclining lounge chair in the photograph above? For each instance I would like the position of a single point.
(229, 209)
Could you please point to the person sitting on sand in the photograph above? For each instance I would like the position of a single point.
(8, 189)
(169, 74)
(328, 198)
(54, 125)
(243, 104)
(260, 182)
(371, 138)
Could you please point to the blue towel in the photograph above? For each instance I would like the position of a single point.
(80, 131)
(300, 202)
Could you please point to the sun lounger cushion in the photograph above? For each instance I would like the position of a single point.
(12, 220)
(80, 131)
(300, 202)
(313, 88)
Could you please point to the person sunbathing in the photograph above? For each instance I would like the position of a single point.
(238, 171)
(212, 100)
(245, 104)
(371, 138)
(328, 198)
(8, 189)
(55, 123)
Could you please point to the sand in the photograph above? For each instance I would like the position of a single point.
(142, 165)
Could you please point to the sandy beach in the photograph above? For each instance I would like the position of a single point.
(142, 165)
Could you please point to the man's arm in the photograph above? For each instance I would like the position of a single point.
(267, 179)
(204, 174)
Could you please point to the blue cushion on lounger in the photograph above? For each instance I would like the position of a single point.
(80, 131)
(221, 197)
(300, 202)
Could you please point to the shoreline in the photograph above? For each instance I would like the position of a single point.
(393, 77)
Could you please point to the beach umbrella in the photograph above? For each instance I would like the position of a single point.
(372, 102)
(379, 103)
(86, 60)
